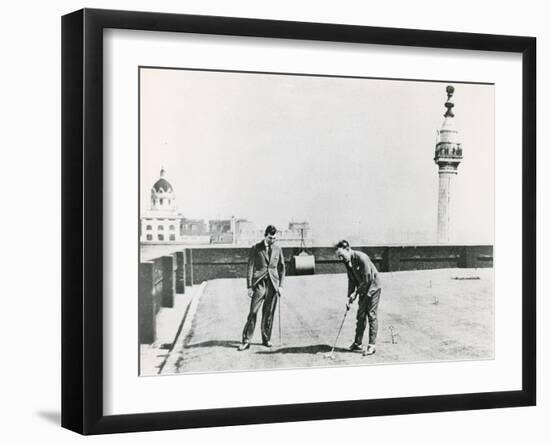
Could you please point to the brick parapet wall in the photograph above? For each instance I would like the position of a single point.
(209, 263)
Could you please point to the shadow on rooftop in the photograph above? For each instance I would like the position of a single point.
(216, 343)
(311, 349)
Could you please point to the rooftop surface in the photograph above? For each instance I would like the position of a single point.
(433, 315)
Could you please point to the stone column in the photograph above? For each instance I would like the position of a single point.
(444, 208)
(189, 267)
(146, 307)
(448, 155)
(180, 272)
(168, 287)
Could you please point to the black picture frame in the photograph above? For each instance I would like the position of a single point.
(82, 216)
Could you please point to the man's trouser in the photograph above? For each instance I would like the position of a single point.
(266, 293)
(368, 308)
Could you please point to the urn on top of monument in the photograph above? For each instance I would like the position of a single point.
(448, 149)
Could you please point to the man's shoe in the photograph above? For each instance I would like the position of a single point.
(355, 347)
(267, 344)
(243, 346)
(370, 350)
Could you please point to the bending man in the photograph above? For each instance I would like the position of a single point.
(362, 282)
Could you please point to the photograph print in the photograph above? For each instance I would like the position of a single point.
(295, 221)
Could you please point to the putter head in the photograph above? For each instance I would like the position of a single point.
(330, 355)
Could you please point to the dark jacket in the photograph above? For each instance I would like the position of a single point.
(362, 274)
(259, 266)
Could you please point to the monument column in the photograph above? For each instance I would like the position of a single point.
(448, 155)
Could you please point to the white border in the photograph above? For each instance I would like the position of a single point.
(125, 392)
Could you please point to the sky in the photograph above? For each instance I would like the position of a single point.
(354, 157)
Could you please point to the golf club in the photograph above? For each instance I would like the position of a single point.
(280, 333)
(331, 353)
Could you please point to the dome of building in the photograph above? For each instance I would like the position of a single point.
(162, 194)
(162, 185)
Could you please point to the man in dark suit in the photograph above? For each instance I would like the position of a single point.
(264, 280)
(363, 281)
